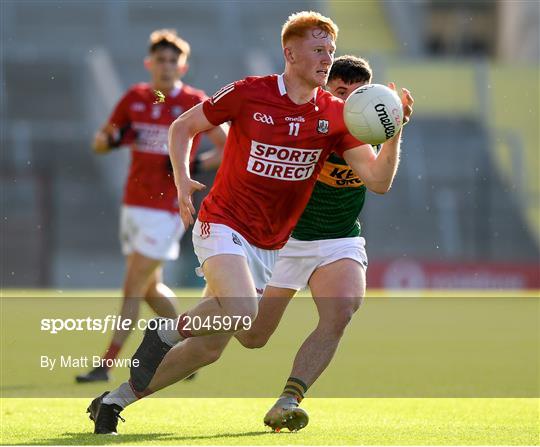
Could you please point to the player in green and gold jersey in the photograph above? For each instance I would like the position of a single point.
(326, 253)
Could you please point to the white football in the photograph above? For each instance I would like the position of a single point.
(373, 113)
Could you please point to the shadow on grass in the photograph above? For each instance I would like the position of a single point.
(173, 438)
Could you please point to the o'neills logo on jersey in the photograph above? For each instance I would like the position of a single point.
(295, 119)
(284, 163)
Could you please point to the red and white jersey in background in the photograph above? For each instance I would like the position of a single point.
(150, 181)
(272, 157)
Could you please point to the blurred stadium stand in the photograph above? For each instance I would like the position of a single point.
(364, 29)
(467, 190)
(515, 117)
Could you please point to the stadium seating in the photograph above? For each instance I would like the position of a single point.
(446, 191)
(468, 116)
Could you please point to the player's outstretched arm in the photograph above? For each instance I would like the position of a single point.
(181, 133)
(378, 170)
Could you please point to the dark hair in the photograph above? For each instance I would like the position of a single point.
(167, 38)
(350, 69)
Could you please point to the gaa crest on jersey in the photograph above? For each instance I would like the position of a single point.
(263, 118)
(323, 126)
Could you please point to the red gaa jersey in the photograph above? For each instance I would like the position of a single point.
(150, 181)
(272, 157)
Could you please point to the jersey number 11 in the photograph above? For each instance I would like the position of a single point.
(293, 129)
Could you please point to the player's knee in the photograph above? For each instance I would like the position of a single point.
(356, 302)
(245, 313)
(250, 314)
(210, 355)
(336, 322)
(259, 342)
(254, 341)
(349, 308)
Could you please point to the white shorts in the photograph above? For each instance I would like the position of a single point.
(210, 239)
(297, 260)
(152, 233)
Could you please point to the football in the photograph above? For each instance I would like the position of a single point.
(373, 113)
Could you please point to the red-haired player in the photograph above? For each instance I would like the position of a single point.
(283, 128)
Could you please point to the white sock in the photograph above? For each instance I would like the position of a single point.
(123, 396)
(168, 333)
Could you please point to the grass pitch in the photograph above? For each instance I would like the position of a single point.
(232, 421)
(415, 370)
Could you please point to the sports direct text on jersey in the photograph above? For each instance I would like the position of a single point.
(285, 163)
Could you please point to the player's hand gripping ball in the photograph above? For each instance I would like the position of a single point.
(373, 113)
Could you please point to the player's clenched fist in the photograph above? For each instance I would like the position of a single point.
(186, 187)
(101, 142)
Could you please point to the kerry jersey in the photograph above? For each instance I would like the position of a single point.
(333, 209)
(274, 152)
(150, 181)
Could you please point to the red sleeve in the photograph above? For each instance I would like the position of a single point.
(225, 104)
(346, 142)
(120, 116)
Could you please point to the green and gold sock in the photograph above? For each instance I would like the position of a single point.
(295, 388)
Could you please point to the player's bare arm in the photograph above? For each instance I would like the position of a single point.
(211, 159)
(181, 134)
(378, 170)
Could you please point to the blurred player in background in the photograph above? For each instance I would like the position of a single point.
(326, 253)
(150, 227)
(283, 129)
